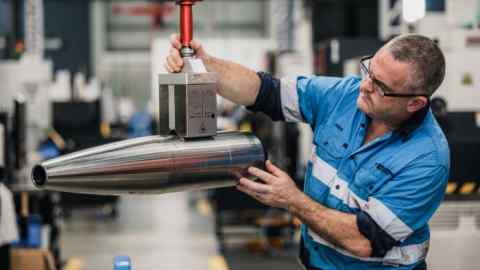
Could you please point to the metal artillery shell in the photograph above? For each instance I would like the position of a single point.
(152, 165)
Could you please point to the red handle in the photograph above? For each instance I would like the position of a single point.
(186, 21)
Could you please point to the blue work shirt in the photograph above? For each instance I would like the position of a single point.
(397, 180)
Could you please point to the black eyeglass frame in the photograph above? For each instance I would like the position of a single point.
(385, 91)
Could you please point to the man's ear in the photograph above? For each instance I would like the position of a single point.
(416, 104)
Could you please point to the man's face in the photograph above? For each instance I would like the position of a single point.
(393, 74)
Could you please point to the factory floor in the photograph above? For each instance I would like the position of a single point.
(156, 232)
(169, 232)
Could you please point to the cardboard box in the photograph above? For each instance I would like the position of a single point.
(32, 259)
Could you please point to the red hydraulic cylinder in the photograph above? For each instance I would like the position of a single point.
(186, 21)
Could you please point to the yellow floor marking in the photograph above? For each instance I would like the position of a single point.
(204, 207)
(74, 264)
(451, 188)
(467, 188)
(217, 263)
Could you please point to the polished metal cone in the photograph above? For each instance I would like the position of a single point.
(151, 165)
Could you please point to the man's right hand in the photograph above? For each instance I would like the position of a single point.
(235, 82)
(174, 62)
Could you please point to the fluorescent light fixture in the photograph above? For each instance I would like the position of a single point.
(413, 10)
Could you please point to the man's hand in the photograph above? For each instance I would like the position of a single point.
(235, 82)
(277, 189)
(174, 62)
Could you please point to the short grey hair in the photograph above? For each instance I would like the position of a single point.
(426, 57)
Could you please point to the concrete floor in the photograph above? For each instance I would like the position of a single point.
(156, 232)
(164, 232)
(455, 237)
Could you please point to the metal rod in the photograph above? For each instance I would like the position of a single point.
(186, 23)
(186, 26)
(153, 165)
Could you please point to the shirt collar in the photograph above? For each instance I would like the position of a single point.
(412, 123)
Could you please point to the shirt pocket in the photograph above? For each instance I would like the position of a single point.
(332, 143)
(370, 179)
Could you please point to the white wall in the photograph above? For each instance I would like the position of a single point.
(462, 59)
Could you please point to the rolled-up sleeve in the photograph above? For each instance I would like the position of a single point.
(268, 99)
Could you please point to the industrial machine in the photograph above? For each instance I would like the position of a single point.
(188, 154)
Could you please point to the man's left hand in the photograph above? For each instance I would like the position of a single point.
(276, 188)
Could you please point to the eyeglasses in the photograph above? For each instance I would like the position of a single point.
(379, 86)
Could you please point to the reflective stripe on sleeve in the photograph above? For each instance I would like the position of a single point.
(290, 102)
(387, 220)
(404, 255)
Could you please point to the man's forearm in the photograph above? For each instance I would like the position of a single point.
(235, 82)
(334, 226)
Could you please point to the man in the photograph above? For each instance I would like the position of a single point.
(379, 164)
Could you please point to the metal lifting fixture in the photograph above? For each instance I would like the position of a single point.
(187, 100)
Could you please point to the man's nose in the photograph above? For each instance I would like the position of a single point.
(367, 85)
